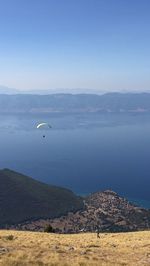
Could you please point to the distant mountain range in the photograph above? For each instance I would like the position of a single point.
(11, 91)
(30, 205)
(61, 103)
(7, 90)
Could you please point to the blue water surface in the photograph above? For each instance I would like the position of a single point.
(83, 152)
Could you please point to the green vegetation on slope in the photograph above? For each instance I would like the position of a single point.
(23, 198)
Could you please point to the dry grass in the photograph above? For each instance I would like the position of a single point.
(28, 248)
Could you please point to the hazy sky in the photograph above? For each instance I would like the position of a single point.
(100, 44)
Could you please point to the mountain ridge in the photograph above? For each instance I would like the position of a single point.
(82, 103)
(9, 90)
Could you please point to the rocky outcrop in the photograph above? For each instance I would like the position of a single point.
(103, 211)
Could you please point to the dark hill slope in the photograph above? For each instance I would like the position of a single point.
(23, 198)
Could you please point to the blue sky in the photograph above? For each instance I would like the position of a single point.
(94, 44)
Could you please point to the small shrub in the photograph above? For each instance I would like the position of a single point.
(49, 229)
(9, 237)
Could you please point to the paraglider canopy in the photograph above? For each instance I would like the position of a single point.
(43, 125)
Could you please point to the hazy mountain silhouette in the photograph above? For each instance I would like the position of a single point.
(7, 90)
(110, 102)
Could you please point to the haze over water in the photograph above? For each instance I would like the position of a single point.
(85, 153)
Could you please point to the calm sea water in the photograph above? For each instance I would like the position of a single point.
(85, 153)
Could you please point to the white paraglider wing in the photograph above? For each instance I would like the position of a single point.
(43, 125)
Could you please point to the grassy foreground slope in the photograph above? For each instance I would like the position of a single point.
(18, 248)
(23, 198)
